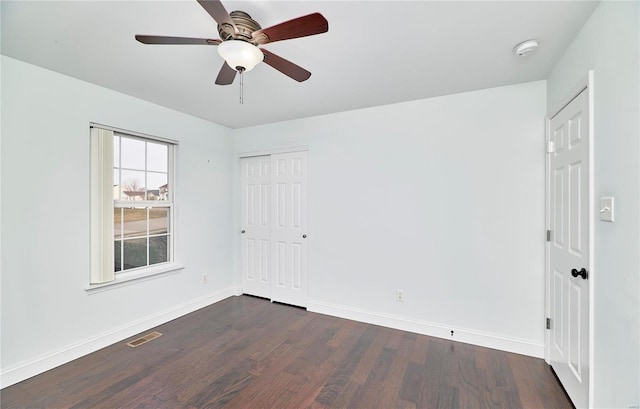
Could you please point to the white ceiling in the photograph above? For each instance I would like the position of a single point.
(375, 53)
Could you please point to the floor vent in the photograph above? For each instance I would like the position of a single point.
(143, 340)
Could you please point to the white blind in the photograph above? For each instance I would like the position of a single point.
(102, 253)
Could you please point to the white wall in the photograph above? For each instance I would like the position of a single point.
(442, 198)
(609, 44)
(47, 316)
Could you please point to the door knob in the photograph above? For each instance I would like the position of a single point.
(242, 231)
(304, 236)
(582, 273)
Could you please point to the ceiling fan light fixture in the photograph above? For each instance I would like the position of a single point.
(240, 55)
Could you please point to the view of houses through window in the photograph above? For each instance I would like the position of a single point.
(143, 203)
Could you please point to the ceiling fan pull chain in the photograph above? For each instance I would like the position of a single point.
(241, 87)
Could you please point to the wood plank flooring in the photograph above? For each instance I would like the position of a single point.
(246, 352)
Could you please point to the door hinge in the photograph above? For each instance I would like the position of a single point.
(548, 235)
(548, 323)
(551, 147)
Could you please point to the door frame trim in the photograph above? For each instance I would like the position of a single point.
(586, 83)
(274, 151)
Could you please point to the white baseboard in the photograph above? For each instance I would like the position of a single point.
(27, 369)
(484, 339)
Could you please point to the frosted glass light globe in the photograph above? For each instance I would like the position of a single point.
(240, 55)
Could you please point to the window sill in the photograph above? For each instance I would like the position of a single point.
(133, 277)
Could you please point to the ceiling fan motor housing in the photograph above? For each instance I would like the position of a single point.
(245, 26)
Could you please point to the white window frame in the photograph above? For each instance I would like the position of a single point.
(102, 210)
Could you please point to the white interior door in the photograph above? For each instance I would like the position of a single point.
(569, 248)
(255, 252)
(289, 247)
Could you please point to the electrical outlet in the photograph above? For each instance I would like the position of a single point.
(204, 279)
(399, 295)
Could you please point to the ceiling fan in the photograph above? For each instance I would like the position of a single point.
(240, 37)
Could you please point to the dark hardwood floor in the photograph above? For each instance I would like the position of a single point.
(245, 352)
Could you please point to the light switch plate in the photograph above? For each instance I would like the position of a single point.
(606, 209)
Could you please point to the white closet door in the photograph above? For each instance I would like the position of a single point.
(289, 248)
(255, 184)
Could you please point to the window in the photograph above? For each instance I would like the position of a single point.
(132, 204)
(142, 205)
